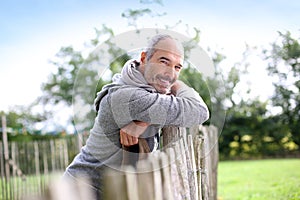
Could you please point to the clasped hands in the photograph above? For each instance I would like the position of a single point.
(129, 134)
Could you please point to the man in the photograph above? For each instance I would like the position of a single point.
(145, 97)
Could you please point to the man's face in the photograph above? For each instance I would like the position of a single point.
(162, 69)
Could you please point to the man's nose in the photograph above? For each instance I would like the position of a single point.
(170, 71)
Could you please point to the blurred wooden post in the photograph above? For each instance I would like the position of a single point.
(5, 148)
(157, 177)
(132, 183)
(167, 185)
(53, 159)
(192, 169)
(203, 171)
(45, 159)
(79, 141)
(2, 176)
(145, 176)
(174, 176)
(115, 185)
(37, 166)
(66, 156)
(211, 158)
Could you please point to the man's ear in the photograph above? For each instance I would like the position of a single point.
(143, 62)
(143, 57)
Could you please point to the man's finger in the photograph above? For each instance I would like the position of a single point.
(123, 138)
(127, 139)
(131, 140)
(134, 140)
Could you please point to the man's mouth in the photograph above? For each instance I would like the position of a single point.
(164, 82)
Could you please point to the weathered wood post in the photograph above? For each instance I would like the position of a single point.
(53, 152)
(171, 134)
(79, 141)
(5, 149)
(37, 166)
(192, 169)
(202, 158)
(211, 158)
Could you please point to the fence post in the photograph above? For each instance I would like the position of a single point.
(5, 148)
(192, 169)
(171, 134)
(79, 141)
(211, 158)
(205, 138)
(37, 165)
(53, 152)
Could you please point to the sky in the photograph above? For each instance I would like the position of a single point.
(33, 31)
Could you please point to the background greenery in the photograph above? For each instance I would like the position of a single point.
(249, 131)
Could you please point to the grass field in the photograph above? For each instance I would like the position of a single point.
(259, 180)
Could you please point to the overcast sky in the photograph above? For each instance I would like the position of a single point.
(33, 31)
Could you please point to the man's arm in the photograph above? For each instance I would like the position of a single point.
(184, 110)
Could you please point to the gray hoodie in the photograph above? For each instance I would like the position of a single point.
(130, 98)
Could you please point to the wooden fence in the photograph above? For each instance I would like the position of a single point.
(26, 167)
(185, 168)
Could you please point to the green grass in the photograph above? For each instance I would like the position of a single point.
(259, 180)
(18, 188)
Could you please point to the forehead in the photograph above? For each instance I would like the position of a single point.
(170, 55)
(171, 46)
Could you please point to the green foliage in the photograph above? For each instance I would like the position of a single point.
(75, 80)
(20, 120)
(207, 88)
(193, 78)
(34, 137)
(248, 130)
(284, 65)
(59, 86)
(12, 119)
(132, 15)
(249, 133)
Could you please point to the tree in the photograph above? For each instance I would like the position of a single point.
(76, 80)
(21, 119)
(211, 89)
(73, 82)
(284, 66)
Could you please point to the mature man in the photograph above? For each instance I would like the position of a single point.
(142, 99)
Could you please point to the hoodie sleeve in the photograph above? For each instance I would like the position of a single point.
(185, 110)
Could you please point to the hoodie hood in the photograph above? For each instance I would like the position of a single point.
(130, 75)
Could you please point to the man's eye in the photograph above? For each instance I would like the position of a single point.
(178, 67)
(164, 62)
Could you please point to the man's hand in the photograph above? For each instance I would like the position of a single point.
(176, 86)
(129, 134)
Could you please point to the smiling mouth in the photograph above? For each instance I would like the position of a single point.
(164, 82)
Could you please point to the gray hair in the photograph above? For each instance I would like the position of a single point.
(153, 42)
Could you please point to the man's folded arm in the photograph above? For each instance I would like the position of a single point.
(184, 110)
